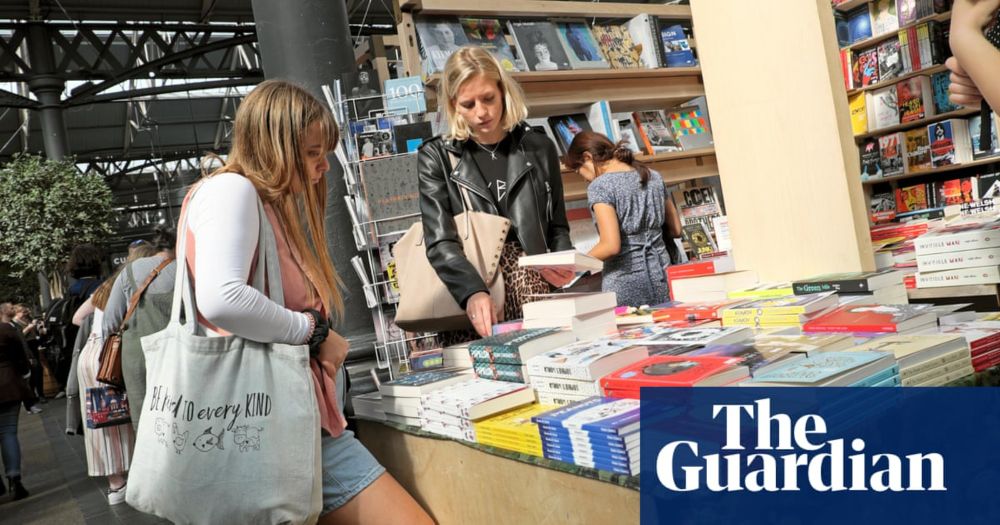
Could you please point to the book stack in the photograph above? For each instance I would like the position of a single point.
(763, 291)
(571, 373)
(401, 397)
(878, 319)
(881, 287)
(779, 312)
(699, 336)
(685, 370)
(368, 406)
(457, 356)
(925, 360)
(648, 335)
(866, 368)
(756, 359)
(714, 287)
(587, 315)
(513, 430)
(693, 311)
(600, 433)
(805, 344)
(983, 339)
(450, 411)
(503, 357)
(959, 255)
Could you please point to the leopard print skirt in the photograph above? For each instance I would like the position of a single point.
(519, 284)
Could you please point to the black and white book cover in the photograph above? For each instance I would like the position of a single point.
(439, 36)
(538, 44)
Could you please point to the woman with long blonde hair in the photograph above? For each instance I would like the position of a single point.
(507, 169)
(281, 138)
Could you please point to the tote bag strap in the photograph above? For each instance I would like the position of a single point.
(266, 280)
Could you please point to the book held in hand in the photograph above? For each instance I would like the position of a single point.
(564, 260)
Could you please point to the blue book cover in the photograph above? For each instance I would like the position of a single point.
(859, 24)
(818, 367)
(975, 131)
(879, 377)
(599, 464)
(613, 440)
(596, 414)
(405, 95)
(940, 82)
(676, 48)
(560, 449)
(607, 448)
(423, 378)
(891, 382)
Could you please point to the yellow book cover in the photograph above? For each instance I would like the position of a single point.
(763, 291)
(517, 420)
(859, 113)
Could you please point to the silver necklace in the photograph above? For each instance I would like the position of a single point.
(492, 152)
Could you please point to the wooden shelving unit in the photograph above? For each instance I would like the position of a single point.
(561, 92)
(849, 5)
(965, 112)
(935, 171)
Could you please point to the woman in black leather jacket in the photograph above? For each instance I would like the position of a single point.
(507, 169)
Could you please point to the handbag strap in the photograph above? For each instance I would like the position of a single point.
(268, 283)
(134, 301)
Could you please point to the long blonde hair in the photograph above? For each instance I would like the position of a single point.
(268, 140)
(466, 63)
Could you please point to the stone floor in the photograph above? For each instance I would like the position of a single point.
(54, 469)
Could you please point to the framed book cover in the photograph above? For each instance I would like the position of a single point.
(538, 44)
(487, 33)
(439, 38)
(580, 45)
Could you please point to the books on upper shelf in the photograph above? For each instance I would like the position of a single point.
(918, 150)
(860, 318)
(565, 127)
(564, 260)
(538, 45)
(884, 17)
(871, 160)
(439, 37)
(675, 371)
(940, 82)
(829, 369)
(865, 68)
(950, 142)
(585, 361)
(405, 95)
(891, 154)
(883, 108)
(487, 33)
(890, 63)
(676, 48)
(617, 46)
(915, 99)
(580, 45)
(418, 383)
(859, 24)
(856, 282)
(644, 30)
(698, 236)
(859, 113)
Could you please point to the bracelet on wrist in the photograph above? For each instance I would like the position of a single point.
(318, 334)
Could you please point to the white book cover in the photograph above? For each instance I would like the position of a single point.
(883, 111)
(599, 115)
(706, 335)
(586, 361)
(564, 260)
(640, 28)
(558, 386)
(958, 260)
(463, 399)
(565, 305)
(959, 238)
(549, 398)
(983, 275)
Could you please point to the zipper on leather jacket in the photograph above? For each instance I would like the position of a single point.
(548, 201)
(474, 190)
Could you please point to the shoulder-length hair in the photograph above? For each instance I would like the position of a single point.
(463, 65)
(268, 149)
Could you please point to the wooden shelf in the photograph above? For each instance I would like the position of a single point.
(965, 112)
(559, 92)
(849, 5)
(869, 42)
(895, 80)
(674, 167)
(934, 171)
(548, 9)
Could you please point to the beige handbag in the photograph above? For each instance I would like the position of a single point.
(425, 305)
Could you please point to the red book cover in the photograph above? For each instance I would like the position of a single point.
(864, 318)
(914, 45)
(663, 371)
(692, 311)
(910, 282)
(700, 268)
(910, 99)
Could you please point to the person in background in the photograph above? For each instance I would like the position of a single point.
(84, 268)
(13, 391)
(633, 214)
(29, 330)
(975, 66)
(281, 138)
(109, 449)
(151, 315)
(509, 170)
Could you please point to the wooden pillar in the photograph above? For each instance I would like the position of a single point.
(788, 163)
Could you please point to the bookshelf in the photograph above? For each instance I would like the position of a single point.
(895, 80)
(849, 5)
(965, 112)
(875, 40)
(935, 171)
(563, 92)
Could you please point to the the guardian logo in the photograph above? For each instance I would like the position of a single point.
(825, 467)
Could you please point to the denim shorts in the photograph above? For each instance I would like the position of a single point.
(348, 468)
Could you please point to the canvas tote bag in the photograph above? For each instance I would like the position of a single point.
(425, 304)
(229, 431)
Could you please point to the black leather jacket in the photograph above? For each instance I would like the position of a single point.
(535, 203)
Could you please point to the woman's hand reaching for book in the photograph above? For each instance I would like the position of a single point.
(482, 312)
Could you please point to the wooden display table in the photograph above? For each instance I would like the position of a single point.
(468, 483)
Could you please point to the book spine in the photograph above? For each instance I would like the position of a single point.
(958, 260)
(848, 329)
(959, 241)
(965, 276)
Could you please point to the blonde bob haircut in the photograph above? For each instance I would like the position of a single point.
(465, 64)
(268, 148)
